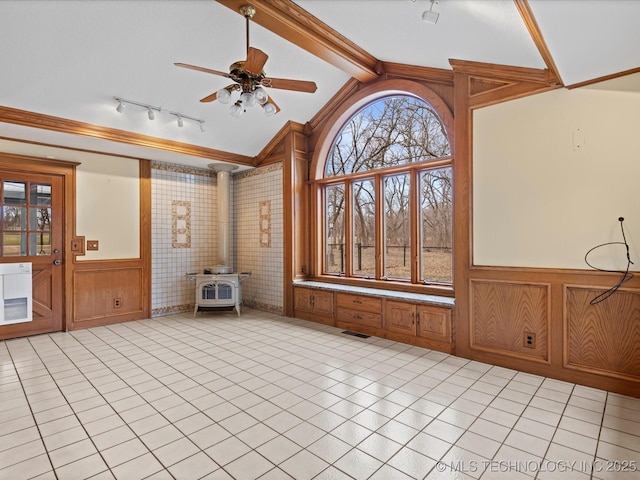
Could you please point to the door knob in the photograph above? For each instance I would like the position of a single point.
(57, 262)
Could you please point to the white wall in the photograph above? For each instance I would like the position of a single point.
(108, 206)
(551, 175)
(107, 198)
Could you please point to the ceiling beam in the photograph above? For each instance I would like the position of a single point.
(536, 35)
(296, 25)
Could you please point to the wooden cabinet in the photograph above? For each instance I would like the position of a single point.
(401, 317)
(425, 325)
(385, 316)
(434, 322)
(357, 311)
(313, 304)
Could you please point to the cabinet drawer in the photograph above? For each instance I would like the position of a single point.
(362, 303)
(347, 315)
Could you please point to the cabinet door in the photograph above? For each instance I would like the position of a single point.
(303, 299)
(434, 322)
(401, 317)
(323, 303)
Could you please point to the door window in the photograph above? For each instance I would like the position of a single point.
(26, 219)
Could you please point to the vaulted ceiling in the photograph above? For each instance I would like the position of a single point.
(66, 60)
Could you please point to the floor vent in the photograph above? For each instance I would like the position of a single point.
(356, 334)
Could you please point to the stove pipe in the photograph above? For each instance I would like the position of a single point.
(223, 175)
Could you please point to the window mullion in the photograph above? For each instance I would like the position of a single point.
(380, 241)
(348, 228)
(414, 219)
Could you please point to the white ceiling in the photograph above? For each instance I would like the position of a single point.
(69, 58)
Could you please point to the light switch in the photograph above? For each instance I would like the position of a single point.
(92, 244)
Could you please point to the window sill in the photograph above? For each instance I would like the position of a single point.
(439, 300)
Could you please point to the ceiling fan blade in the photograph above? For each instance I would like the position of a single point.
(286, 84)
(255, 61)
(202, 69)
(210, 98)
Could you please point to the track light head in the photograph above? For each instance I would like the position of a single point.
(150, 114)
(430, 16)
(120, 106)
(202, 129)
(180, 122)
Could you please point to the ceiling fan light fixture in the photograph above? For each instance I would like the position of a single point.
(224, 95)
(248, 99)
(261, 95)
(236, 109)
(269, 109)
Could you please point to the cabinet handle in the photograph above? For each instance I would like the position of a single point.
(418, 318)
(358, 302)
(313, 300)
(413, 318)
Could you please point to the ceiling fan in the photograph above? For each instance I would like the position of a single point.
(250, 79)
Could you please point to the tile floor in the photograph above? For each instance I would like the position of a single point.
(262, 396)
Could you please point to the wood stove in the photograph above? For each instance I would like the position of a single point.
(218, 290)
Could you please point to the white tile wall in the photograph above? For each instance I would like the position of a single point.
(264, 288)
(172, 291)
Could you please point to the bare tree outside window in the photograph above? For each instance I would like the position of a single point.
(390, 133)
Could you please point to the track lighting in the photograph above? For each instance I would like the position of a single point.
(430, 16)
(122, 102)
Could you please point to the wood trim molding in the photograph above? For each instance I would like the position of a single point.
(604, 78)
(272, 152)
(428, 74)
(73, 127)
(504, 72)
(536, 35)
(296, 25)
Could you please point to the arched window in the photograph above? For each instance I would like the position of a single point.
(386, 199)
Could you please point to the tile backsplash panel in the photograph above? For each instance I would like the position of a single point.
(174, 186)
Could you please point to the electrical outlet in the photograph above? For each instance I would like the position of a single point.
(529, 340)
(92, 244)
(117, 302)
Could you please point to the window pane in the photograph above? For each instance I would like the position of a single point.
(397, 249)
(394, 130)
(364, 228)
(14, 218)
(40, 219)
(40, 194)
(40, 243)
(14, 244)
(334, 228)
(14, 193)
(436, 204)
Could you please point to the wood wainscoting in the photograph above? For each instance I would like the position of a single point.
(511, 318)
(108, 292)
(603, 338)
(541, 321)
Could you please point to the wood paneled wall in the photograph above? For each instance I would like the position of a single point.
(604, 338)
(511, 319)
(108, 292)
